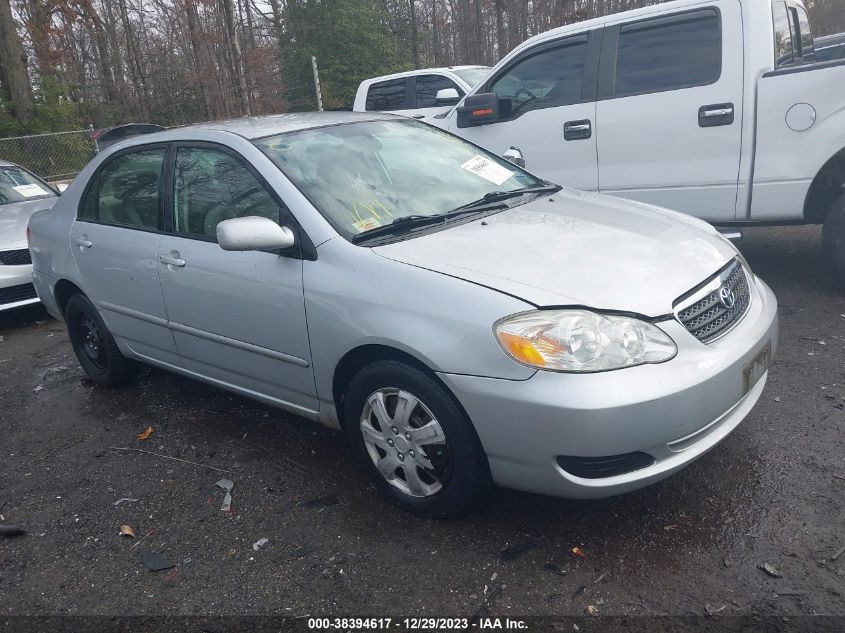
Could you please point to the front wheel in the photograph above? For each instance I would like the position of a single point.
(833, 237)
(94, 345)
(414, 441)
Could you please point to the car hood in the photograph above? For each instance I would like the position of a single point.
(13, 220)
(576, 248)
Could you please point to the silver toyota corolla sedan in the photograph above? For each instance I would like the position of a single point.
(21, 194)
(463, 321)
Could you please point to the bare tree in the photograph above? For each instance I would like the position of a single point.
(14, 79)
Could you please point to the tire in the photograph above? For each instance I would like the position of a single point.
(443, 473)
(94, 345)
(833, 237)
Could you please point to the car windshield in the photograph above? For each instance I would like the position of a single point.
(472, 76)
(18, 185)
(362, 176)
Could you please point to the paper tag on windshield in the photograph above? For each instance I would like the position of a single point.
(487, 169)
(29, 191)
(366, 224)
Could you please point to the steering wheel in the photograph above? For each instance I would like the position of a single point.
(230, 210)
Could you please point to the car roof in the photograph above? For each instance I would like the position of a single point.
(5, 163)
(422, 71)
(261, 126)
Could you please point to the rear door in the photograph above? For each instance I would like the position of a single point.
(114, 241)
(669, 114)
(238, 318)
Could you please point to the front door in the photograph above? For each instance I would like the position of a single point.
(670, 112)
(114, 241)
(238, 317)
(549, 112)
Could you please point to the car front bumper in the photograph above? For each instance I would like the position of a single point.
(673, 411)
(16, 288)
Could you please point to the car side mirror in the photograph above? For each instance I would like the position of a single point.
(447, 96)
(514, 155)
(253, 234)
(479, 109)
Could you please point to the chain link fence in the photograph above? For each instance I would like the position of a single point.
(58, 156)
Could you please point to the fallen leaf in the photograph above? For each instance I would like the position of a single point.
(592, 609)
(126, 530)
(147, 432)
(579, 552)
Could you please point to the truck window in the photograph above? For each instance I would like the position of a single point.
(784, 52)
(387, 95)
(806, 39)
(669, 53)
(546, 79)
(427, 87)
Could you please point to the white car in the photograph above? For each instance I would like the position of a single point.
(21, 194)
(420, 94)
(714, 108)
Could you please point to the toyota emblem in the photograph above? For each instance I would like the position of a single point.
(727, 296)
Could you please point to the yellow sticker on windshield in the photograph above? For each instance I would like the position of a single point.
(366, 224)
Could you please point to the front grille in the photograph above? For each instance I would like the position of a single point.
(15, 258)
(13, 294)
(706, 314)
(609, 466)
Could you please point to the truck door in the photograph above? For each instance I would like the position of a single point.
(669, 114)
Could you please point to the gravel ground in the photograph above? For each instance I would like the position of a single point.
(691, 545)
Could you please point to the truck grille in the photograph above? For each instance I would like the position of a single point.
(713, 308)
(15, 258)
(13, 294)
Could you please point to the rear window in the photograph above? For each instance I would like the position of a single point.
(428, 86)
(669, 53)
(387, 95)
(784, 52)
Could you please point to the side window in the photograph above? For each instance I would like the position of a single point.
(211, 186)
(805, 33)
(547, 79)
(428, 87)
(669, 53)
(784, 53)
(387, 95)
(128, 191)
(88, 208)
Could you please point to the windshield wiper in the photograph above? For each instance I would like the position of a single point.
(399, 225)
(499, 196)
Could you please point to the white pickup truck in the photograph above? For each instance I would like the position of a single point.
(716, 108)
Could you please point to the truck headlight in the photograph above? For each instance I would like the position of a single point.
(582, 341)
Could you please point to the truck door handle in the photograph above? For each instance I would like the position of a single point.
(577, 130)
(716, 114)
(171, 261)
(83, 243)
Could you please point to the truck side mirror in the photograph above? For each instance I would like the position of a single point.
(479, 109)
(447, 96)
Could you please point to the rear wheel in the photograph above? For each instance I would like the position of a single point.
(833, 237)
(414, 440)
(94, 345)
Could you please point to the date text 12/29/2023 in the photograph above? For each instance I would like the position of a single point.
(415, 624)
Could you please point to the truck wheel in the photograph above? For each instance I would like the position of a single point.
(833, 237)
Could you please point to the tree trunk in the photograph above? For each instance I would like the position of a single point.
(200, 64)
(135, 67)
(237, 58)
(501, 34)
(13, 75)
(414, 44)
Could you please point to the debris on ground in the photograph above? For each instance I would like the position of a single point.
(771, 570)
(674, 526)
(839, 553)
(38, 388)
(143, 435)
(155, 562)
(554, 569)
(260, 543)
(579, 590)
(126, 530)
(712, 610)
(515, 551)
(302, 550)
(579, 552)
(143, 538)
(10, 531)
(322, 502)
(124, 500)
(592, 609)
(227, 485)
(600, 578)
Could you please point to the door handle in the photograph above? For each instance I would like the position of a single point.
(716, 114)
(83, 243)
(171, 261)
(577, 130)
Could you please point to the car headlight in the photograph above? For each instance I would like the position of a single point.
(582, 341)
